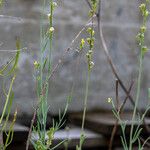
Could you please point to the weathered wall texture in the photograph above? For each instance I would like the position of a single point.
(120, 25)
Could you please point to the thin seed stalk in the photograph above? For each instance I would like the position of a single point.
(40, 82)
(41, 109)
(50, 36)
(50, 47)
(137, 99)
(87, 89)
(49, 68)
(85, 100)
(138, 89)
(41, 47)
(7, 99)
(84, 110)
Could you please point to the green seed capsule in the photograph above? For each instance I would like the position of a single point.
(143, 29)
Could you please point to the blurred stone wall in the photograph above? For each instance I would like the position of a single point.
(121, 21)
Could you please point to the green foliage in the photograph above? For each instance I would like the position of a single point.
(6, 72)
(82, 140)
(94, 4)
(43, 71)
(135, 135)
(50, 134)
(143, 49)
(90, 41)
(9, 135)
(42, 79)
(44, 67)
(82, 43)
(89, 57)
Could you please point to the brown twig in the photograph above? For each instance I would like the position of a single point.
(120, 111)
(124, 102)
(116, 123)
(30, 130)
(113, 68)
(117, 94)
(143, 140)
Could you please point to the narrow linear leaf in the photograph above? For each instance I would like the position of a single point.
(16, 58)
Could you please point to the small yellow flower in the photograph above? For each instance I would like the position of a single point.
(36, 64)
(93, 32)
(49, 15)
(144, 49)
(109, 100)
(146, 13)
(142, 7)
(15, 116)
(91, 64)
(51, 29)
(14, 77)
(90, 52)
(82, 43)
(89, 30)
(54, 4)
(143, 28)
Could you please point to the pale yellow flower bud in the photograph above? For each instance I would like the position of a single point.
(51, 29)
(109, 100)
(49, 15)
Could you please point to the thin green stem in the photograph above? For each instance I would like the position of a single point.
(84, 110)
(41, 107)
(85, 101)
(137, 99)
(138, 84)
(7, 99)
(50, 36)
(44, 85)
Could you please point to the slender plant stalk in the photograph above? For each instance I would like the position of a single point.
(137, 100)
(45, 65)
(9, 95)
(109, 59)
(50, 35)
(10, 132)
(7, 99)
(89, 56)
(143, 50)
(85, 101)
(112, 65)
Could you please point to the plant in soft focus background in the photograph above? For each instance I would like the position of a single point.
(42, 136)
(43, 73)
(89, 56)
(136, 131)
(6, 71)
(42, 81)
